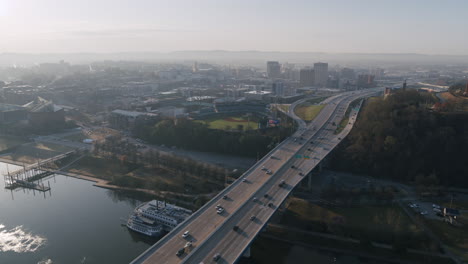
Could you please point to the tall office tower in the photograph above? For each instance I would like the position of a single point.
(321, 74)
(347, 73)
(273, 69)
(277, 88)
(377, 72)
(306, 77)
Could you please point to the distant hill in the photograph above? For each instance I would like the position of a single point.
(236, 57)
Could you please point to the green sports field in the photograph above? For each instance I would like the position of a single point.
(231, 122)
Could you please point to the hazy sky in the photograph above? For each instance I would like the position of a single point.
(369, 26)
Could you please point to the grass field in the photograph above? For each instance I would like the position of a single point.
(32, 152)
(7, 142)
(143, 176)
(308, 111)
(377, 223)
(232, 122)
(79, 137)
(456, 237)
(284, 107)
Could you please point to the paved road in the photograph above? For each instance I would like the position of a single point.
(212, 233)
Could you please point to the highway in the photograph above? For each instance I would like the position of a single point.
(290, 161)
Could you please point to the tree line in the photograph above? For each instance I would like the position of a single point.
(187, 134)
(402, 138)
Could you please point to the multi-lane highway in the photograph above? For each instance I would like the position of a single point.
(252, 199)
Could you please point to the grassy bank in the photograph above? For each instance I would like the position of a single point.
(308, 111)
(383, 224)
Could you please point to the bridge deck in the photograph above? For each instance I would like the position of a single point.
(212, 233)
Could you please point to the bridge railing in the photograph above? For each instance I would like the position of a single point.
(202, 209)
(210, 203)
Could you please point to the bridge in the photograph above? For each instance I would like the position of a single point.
(251, 200)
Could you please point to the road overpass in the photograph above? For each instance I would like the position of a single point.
(250, 201)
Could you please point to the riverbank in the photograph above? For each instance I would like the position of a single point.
(183, 199)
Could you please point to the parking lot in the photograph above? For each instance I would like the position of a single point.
(426, 209)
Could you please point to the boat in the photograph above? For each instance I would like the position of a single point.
(167, 215)
(144, 226)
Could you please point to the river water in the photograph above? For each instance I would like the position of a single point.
(73, 223)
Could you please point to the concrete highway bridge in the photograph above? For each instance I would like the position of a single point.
(251, 200)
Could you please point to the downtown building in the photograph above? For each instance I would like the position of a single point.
(273, 69)
(321, 74)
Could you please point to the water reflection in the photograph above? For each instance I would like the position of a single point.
(45, 261)
(19, 241)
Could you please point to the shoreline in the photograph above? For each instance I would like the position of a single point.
(101, 183)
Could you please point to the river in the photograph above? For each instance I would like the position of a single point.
(73, 223)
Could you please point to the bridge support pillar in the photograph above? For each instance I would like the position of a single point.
(309, 181)
(320, 166)
(247, 253)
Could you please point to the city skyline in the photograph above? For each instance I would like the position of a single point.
(51, 26)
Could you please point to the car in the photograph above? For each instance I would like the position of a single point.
(265, 195)
(216, 257)
(292, 167)
(309, 149)
(218, 206)
(225, 197)
(188, 244)
(435, 206)
(424, 213)
(301, 174)
(254, 199)
(339, 138)
(272, 157)
(264, 168)
(270, 204)
(235, 228)
(269, 172)
(185, 234)
(180, 252)
(244, 180)
(252, 218)
(220, 210)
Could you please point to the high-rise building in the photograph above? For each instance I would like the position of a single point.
(321, 74)
(347, 73)
(306, 77)
(377, 72)
(273, 69)
(365, 81)
(277, 88)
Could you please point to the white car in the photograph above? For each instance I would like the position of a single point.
(244, 180)
(220, 210)
(185, 234)
(188, 244)
(264, 168)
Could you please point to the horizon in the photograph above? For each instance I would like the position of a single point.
(124, 26)
(223, 50)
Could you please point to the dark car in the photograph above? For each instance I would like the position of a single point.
(235, 228)
(216, 257)
(180, 252)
